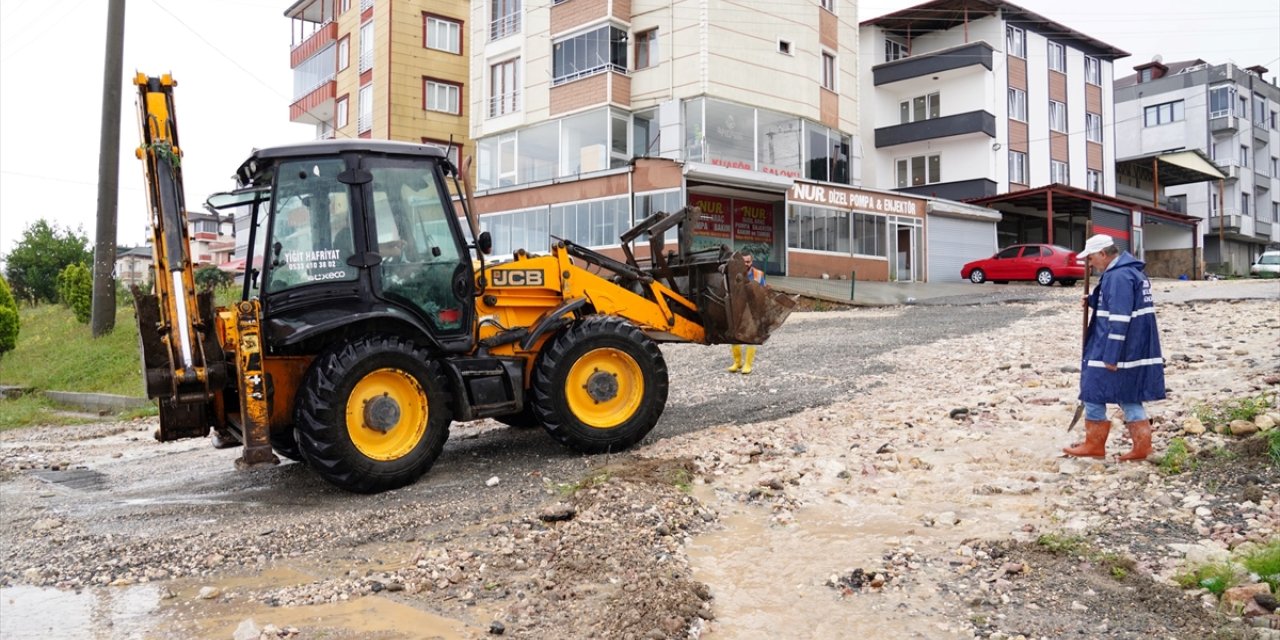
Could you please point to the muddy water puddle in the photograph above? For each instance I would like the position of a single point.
(174, 610)
(767, 577)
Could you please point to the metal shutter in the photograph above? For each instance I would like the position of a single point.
(956, 241)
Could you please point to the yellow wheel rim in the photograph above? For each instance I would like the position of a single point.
(604, 388)
(387, 414)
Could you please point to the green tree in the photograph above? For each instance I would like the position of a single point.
(212, 278)
(75, 289)
(9, 323)
(44, 251)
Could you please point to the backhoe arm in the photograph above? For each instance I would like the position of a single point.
(175, 326)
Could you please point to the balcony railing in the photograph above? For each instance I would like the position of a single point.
(1225, 122)
(578, 75)
(365, 4)
(1228, 222)
(366, 61)
(504, 26)
(364, 122)
(501, 105)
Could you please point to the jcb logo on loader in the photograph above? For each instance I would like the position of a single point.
(517, 277)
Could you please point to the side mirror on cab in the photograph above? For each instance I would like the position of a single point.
(485, 243)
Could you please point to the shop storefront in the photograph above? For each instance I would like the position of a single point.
(834, 231)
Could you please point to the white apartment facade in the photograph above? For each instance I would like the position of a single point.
(593, 114)
(1232, 115)
(973, 99)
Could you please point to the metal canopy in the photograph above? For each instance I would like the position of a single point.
(1170, 169)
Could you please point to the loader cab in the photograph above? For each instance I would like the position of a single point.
(355, 232)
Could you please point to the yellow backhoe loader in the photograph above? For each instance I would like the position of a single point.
(369, 319)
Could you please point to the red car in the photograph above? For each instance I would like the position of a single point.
(1044, 263)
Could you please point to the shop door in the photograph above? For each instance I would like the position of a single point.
(904, 253)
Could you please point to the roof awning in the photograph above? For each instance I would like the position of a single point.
(953, 209)
(1178, 167)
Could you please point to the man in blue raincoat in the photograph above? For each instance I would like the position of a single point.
(1122, 363)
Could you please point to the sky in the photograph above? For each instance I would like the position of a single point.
(231, 61)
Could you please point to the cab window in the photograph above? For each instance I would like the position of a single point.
(311, 226)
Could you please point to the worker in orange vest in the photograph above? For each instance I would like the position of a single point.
(739, 363)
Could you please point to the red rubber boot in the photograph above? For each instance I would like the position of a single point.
(1095, 440)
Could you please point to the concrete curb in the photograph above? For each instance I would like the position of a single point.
(96, 402)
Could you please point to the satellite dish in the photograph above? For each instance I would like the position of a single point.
(1157, 58)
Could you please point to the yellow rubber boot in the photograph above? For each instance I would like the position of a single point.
(751, 357)
(737, 359)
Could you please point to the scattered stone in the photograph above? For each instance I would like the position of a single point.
(492, 482)
(208, 593)
(496, 628)
(557, 512)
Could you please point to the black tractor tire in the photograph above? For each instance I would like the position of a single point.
(977, 276)
(1044, 278)
(413, 424)
(285, 443)
(600, 386)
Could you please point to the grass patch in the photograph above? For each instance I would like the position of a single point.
(1177, 458)
(32, 410)
(1265, 563)
(682, 480)
(1273, 445)
(57, 353)
(1216, 577)
(1061, 545)
(566, 489)
(1246, 408)
(1117, 565)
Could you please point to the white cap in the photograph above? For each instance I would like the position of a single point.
(1095, 244)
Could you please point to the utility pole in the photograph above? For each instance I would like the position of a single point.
(104, 254)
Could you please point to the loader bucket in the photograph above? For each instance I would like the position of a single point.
(737, 310)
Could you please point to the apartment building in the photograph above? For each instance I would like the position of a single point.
(594, 114)
(1229, 115)
(395, 70)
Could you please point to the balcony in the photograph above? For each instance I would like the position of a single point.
(317, 106)
(1223, 123)
(1262, 229)
(316, 42)
(1232, 171)
(1261, 134)
(959, 124)
(934, 62)
(1230, 222)
(1261, 182)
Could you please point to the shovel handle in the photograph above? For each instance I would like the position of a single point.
(1084, 332)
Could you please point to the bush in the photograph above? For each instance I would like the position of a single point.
(211, 278)
(75, 289)
(9, 322)
(36, 260)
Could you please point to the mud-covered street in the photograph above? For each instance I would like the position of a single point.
(883, 469)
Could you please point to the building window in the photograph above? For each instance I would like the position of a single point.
(1092, 70)
(822, 229)
(894, 50)
(1273, 120)
(451, 151)
(1093, 180)
(341, 116)
(442, 35)
(1059, 172)
(504, 87)
(596, 223)
(445, 97)
(1057, 116)
(1144, 75)
(829, 5)
(1244, 156)
(1275, 167)
(366, 46)
(1017, 104)
(1246, 205)
(1015, 42)
(828, 71)
(1057, 57)
(1220, 101)
(920, 170)
(513, 230)
(1242, 106)
(1177, 203)
(919, 108)
(586, 54)
(344, 52)
(1158, 114)
(784, 46)
(1093, 127)
(1018, 167)
(504, 18)
(646, 49)
(364, 119)
(344, 5)
(1259, 110)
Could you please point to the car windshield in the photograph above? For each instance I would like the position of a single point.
(1270, 259)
